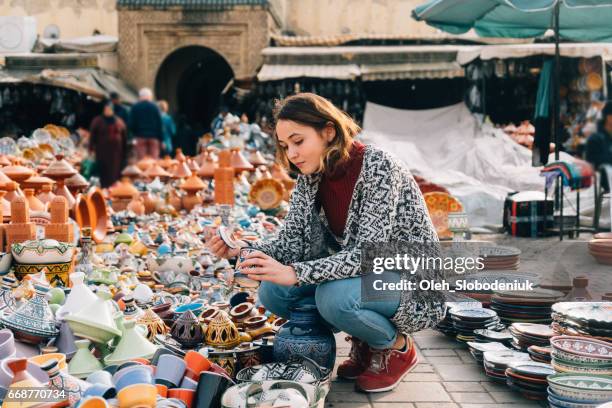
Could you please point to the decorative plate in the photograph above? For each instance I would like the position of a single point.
(583, 347)
(474, 314)
(538, 330)
(531, 368)
(439, 204)
(503, 358)
(591, 312)
(227, 236)
(499, 251)
(267, 193)
(536, 293)
(593, 384)
(494, 346)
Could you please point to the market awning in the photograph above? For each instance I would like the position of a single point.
(572, 50)
(91, 81)
(387, 72)
(278, 72)
(371, 63)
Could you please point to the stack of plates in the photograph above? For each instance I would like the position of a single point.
(592, 319)
(579, 390)
(581, 355)
(601, 250)
(488, 336)
(465, 321)
(496, 363)
(446, 325)
(530, 334)
(500, 257)
(529, 378)
(540, 354)
(477, 349)
(532, 306)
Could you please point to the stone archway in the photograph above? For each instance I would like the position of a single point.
(191, 79)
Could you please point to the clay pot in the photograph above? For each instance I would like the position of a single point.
(76, 184)
(18, 173)
(132, 171)
(137, 206)
(187, 330)
(99, 215)
(46, 195)
(181, 170)
(34, 203)
(82, 211)
(238, 162)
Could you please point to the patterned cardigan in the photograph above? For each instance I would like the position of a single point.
(386, 205)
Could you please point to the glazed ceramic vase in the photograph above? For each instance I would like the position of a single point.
(72, 387)
(187, 330)
(83, 363)
(33, 321)
(95, 322)
(80, 296)
(132, 345)
(304, 334)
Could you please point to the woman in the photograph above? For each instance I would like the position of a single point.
(346, 194)
(168, 127)
(108, 143)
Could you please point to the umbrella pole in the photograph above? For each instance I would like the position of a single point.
(557, 81)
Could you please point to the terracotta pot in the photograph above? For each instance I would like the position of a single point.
(82, 211)
(34, 203)
(99, 215)
(46, 195)
(149, 202)
(238, 162)
(136, 206)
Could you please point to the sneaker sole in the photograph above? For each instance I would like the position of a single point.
(395, 384)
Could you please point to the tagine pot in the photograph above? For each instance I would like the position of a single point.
(33, 321)
(222, 333)
(95, 322)
(83, 363)
(187, 330)
(132, 345)
(305, 334)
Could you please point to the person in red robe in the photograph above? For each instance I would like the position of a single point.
(108, 143)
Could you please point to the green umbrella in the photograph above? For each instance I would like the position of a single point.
(575, 20)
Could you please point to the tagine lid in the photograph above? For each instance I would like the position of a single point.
(17, 172)
(193, 183)
(156, 171)
(131, 171)
(181, 170)
(123, 189)
(77, 181)
(59, 169)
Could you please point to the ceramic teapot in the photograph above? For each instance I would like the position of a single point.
(176, 263)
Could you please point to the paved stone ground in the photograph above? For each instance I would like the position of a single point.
(447, 376)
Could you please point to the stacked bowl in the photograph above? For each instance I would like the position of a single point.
(467, 320)
(601, 250)
(581, 355)
(579, 390)
(529, 334)
(529, 378)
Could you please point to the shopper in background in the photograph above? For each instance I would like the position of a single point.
(169, 128)
(599, 145)
(108, 142)
(119, 109)
(145, 123)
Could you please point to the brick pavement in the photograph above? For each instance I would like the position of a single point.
(447, 376)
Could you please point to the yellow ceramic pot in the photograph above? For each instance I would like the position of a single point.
(137, 395)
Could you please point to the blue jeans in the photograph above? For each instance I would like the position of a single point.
(339, 303)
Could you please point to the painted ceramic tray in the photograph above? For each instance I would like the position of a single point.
(499, 251)
(439, 205)
(474, 314)
(531, 368)
(227, 236)
(596, 383)
(267, 193)
(536, 293)
(582, 346)
(503, 358)
(591, 312)
(530, 329)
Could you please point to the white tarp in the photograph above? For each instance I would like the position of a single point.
(572, 50)
(448, 146)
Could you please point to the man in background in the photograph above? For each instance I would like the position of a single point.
(145, 123)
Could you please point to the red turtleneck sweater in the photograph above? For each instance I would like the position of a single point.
(336, 189)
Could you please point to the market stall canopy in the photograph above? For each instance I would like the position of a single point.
(370, 63)
(91, 44)
(571, 50)
(580, 20)
(71, 71)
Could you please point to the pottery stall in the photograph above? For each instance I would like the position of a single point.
(111, 298)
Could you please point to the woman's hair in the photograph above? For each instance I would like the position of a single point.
(312, 110)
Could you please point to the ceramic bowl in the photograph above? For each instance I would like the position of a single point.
(7, 344)
(582, 349)
(41, 359)
(185, 395)
(100, 390)
(196, 308)
(170, 370)
(141, 395)
(93, 402)
(132, 375)
(100, 377)
(6, 258)
(196, 362)
(44, 251)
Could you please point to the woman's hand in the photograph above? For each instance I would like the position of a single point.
(261, 267)
(220, 248)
